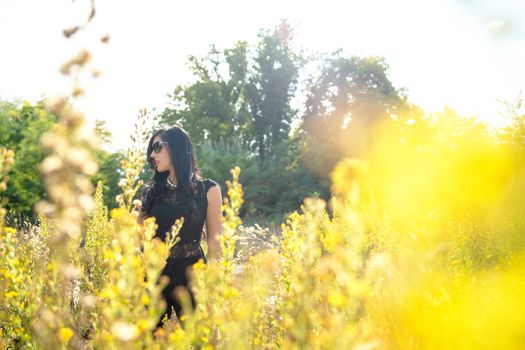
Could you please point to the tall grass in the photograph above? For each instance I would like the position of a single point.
(421, 246)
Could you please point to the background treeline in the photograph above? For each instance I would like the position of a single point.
(284, 116)
(21, 126)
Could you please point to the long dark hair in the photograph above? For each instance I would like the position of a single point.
(182, 156)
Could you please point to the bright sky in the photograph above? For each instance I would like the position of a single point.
(465, 54)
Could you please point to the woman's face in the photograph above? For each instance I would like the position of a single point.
(160, 155)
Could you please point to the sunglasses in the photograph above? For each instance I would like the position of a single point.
(157, 146)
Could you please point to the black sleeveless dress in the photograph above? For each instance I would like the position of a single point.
(166, 208)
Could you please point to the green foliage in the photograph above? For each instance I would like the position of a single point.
(216, 160)
(21, 127)
(271, 86)
(269, 193)
(240, 94)
(346, 100)
(212, 108)
(95, 241)
(279, 188)
(20, 271)
(514, 113)
(109, 175)
(109, 167)
(238, 112)
(241, 105)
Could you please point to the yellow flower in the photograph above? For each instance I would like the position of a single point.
(336, 299)
(11, 294)
(10, 230)
(65, 334)
(143, 325)
(145, 299)
(231, 293)
(177, 335)
(199, 265)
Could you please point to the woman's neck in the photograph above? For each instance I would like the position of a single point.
(173, 178)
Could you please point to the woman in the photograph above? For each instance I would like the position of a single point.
(178, 190)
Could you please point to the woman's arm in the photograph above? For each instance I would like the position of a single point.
(213, 221)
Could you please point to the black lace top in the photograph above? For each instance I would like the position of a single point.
(165, 205)
(166, 208)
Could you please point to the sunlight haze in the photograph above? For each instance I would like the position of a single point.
(463, 54)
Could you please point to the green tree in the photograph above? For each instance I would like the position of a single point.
(346, 99)
(21, 126)
(514, 132)
(271, 86)
(212, 107)
(109, 167)
(242, 97)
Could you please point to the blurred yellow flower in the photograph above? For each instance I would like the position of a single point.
(11, 294)
(177, 335)
(65, 334)
(336, 299)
